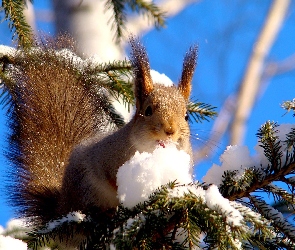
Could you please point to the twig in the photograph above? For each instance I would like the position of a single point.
(259, 184)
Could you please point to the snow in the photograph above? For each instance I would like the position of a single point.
(288, 105)
(180, 191)
(70, 55)
(159, 78)
(6, 50)
(94, 59)
(181, 235)
(139, 177)
(216, 201)
(16, 228)
(71, 217)
(246, 210)
(234, 158)
(9, 243)
(237, 158)
(137, 219)
(237, 244)
(122, 109)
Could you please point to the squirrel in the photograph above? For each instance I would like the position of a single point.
(63, 160)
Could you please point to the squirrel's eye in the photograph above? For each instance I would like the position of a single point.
(148, 111)
(186, 116)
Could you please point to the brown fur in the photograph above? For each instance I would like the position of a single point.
(53, 112)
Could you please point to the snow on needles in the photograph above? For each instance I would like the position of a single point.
(238, 158)
(215, 200)
(145, 172)
(7, 50)
(71, 217)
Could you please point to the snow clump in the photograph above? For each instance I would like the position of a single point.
(139, 177)
(8, 243)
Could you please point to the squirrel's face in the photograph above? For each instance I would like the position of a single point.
(160, 111)
(161, 119)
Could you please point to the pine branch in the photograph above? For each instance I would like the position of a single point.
(277, 219)
(199, 111)
(149, 9)
(282, 195)
(290, 138)
(119, 17)
(115, 76)
(157, 222)
(231, 185)
(5, 97)
(289, 105)
(201, 219)
(271, 145)
(290, 182)
(13, 10)
(256, 185)
(258, 178)
(6, 81)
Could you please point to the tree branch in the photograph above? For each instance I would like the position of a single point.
(138, 25)
(278, 68)
(251, 81)
(260, 184)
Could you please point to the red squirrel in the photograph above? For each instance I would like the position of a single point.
(63, 161)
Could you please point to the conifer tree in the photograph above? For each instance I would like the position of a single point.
(229, 215)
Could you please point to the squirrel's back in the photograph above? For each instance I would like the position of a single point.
(53, 110)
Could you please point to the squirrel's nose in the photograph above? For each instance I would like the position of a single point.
(169, 128)
(169, 132)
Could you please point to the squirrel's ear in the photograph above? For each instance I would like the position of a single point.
(140, 63)
(188, 68)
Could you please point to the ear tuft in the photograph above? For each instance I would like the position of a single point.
(189, 65)
(140, 63)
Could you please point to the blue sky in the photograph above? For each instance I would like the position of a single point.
(225, 32)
